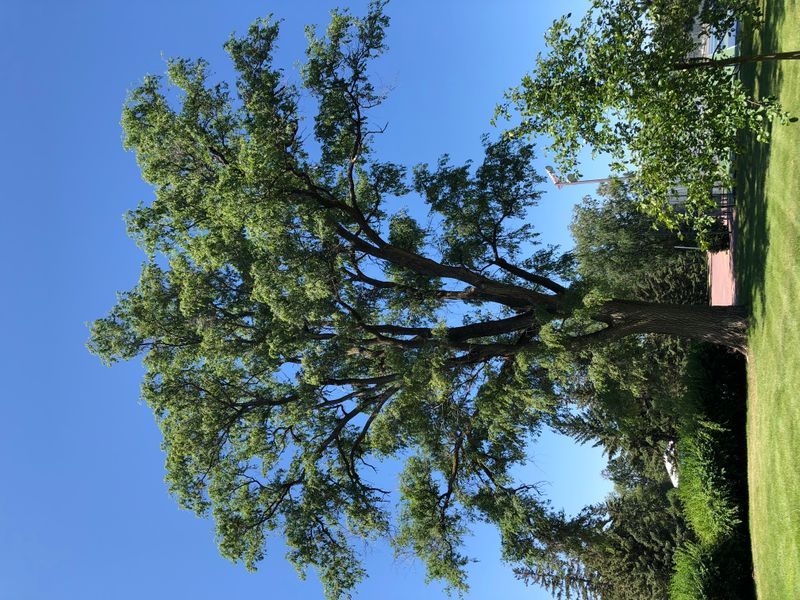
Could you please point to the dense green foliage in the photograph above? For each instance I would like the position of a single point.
(633, 398)
(649, 540)
(295, 332)
(623, 397)
(629, 387)
(697, 573)
(622, 252)
(627, 548)
(620, 82)
(705, 487)
(716, 562)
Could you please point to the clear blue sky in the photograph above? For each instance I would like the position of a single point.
(84, 512)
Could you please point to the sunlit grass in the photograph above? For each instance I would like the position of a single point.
(769, 271)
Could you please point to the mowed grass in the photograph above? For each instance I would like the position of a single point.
(768, 268)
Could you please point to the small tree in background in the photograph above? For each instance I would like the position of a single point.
(620, 83)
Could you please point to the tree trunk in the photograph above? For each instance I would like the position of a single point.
(723, 325)
(736, 60)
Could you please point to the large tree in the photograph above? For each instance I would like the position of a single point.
(295, 330)
(627, 80)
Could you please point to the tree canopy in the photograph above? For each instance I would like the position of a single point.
(295, 331)
(623, 81)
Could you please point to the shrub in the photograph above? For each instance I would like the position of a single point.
(709, 504)
(713, 491)
(694, 569)
(712, 572)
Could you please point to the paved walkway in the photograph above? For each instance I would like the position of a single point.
(721, 279)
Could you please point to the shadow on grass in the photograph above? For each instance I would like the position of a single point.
(752, 240)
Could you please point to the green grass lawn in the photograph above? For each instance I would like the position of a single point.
(769, 275)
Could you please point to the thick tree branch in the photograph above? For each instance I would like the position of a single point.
(469, 293)
(545, 282)
(495, 291)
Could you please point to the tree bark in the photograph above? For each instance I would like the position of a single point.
(736, 60)
(722, 325)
